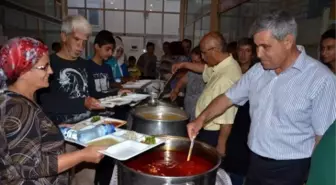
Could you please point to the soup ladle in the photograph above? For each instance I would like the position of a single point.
(190, 148)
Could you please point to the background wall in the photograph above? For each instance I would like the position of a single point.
(135, 21)
(38, 19)
(236, 17)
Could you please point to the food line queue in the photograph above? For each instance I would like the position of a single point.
(291, 96)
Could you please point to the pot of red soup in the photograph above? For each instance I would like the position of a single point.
(168, 165)
(160, 120)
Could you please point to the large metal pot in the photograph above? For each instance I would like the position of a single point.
(149, 126)
(129, 176)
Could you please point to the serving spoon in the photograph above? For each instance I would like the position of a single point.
(191, 148)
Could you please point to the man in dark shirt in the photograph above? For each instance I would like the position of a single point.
(67, 99)
(147, 62)
(236, 160)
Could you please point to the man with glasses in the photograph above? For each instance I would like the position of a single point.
(219, 74)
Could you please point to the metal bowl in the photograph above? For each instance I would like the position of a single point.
(144, 125)
(129, 176)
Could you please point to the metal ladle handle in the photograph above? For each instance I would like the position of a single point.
(168, 81)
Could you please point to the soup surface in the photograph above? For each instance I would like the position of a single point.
(172, 163)
(165, 116)
(103, 142)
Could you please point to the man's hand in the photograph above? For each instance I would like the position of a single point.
(122, 91)
(92, 104)
(177, 66)
(224, 132)
(173, 95)
(221, 148)
(194, 127)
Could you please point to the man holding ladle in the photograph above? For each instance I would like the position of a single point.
(292, 103)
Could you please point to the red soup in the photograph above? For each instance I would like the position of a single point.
(169, 163)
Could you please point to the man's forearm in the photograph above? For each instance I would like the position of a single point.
(224, 133)
(198, 68)
(217, 107)
(181, 83)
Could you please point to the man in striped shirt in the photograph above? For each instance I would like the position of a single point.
(292, 102)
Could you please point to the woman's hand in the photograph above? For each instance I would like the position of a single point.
(91, 154)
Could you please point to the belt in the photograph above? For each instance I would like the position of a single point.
(263, 158)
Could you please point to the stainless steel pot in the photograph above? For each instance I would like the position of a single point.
(129, 176)
(159, 127)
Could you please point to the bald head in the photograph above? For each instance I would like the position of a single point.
(214, 40)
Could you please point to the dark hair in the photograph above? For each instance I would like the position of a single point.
(39, 39)
(176, 48)
(56, 46)
(10, 82)
(187, 40)
(104, 37)
(166, 43)
(149, 44)
(196, 51)
(329, 34)
(248, 41)
(131, 58)
(232, 47)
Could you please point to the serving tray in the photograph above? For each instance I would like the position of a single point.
(119, 100)
(128, 144)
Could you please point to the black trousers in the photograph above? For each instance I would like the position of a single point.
(208, 137)
(265, 171)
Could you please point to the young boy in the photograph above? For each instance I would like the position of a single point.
(101, 82)
(132, 68)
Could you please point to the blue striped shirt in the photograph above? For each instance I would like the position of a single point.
(287, 110)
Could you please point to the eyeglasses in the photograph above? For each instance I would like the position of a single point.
(42, 68)
(204, 52)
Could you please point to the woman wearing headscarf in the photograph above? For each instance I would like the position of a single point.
(31, 146)
(117, 63)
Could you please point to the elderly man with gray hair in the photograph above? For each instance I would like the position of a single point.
(67, 99)
(292, 103)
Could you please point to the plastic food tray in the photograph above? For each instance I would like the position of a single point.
(137, 85)
(113, 101)
(126, 148)
(85, 124)
(135, 97)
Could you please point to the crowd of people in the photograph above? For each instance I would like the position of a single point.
(262, 102)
